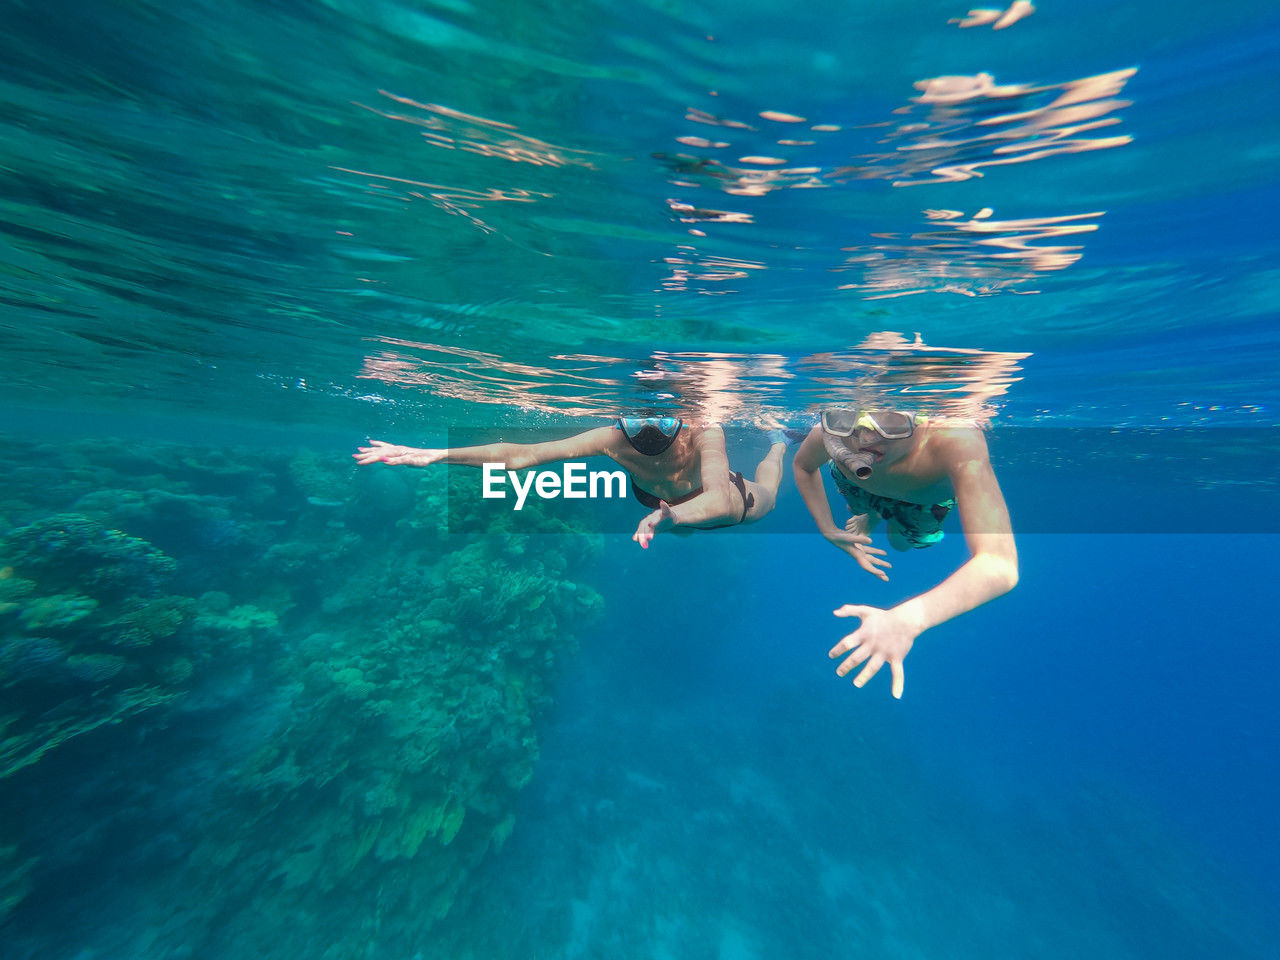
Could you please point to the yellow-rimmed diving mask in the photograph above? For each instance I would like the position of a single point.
(890, 424)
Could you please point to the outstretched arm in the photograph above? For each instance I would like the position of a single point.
(515, 456)
(886, 636)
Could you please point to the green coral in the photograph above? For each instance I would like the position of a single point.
(176, 672)
(95, 667)
(15, 883)
(320, 478)
(143, 622)
(56, 612)
(391, 746)
(23, 743)
(292, 557)
(353, 685)
(14, 588)
(70, 551)
(239, 624)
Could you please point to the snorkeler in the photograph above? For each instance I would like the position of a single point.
(679, 470)
(910, 472)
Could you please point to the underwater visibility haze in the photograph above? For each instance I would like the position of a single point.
(260, 700)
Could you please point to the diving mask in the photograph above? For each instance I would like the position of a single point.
(889, 424)
(650, 436)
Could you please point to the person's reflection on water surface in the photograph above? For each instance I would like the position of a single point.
(910, 472)
(679, 470)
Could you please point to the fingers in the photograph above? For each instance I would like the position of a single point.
(374, 453)
(852, 610)
(643, 534)
(878, 574)
(870, 670)
(868, 564)
(849, 542)
(845, 645)
(851, 661)
(861, 646)
(873, 664)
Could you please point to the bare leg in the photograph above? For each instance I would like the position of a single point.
(769, 471)
(764, 488)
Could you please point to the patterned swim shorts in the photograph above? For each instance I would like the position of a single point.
(921, 526)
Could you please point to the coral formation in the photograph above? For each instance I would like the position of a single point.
(72, 551)
(380, 680)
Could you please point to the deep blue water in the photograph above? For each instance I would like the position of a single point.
(258, 701)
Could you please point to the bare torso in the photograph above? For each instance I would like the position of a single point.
(674, 473)
(920, 476)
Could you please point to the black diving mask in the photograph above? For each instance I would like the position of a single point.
(650, 436)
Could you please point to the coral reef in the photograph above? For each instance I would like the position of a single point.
(73, 551)
(379, 682)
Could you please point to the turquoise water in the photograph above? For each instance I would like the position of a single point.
(258, 701)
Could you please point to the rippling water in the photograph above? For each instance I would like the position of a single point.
(255, 700)
(582, 207)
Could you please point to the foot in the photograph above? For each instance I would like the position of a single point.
(787, 436)
(862, 524)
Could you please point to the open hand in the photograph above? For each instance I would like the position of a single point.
(858, 546)
(379, 452)
(660, 519)
(884, 636)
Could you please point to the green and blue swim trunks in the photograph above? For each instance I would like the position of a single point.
(921, 526)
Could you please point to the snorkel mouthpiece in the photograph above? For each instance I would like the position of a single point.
(861, 464)
(857, 462)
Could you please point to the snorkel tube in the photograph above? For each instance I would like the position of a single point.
(858, 463)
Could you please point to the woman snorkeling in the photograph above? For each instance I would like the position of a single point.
(679, 470)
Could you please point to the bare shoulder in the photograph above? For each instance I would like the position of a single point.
(953, 448)
(709, 435)
(812, 452)
(600, 440)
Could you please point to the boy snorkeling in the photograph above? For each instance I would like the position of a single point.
(910, 472)
(679, 470)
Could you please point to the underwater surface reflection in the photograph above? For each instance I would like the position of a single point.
(259, 700)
